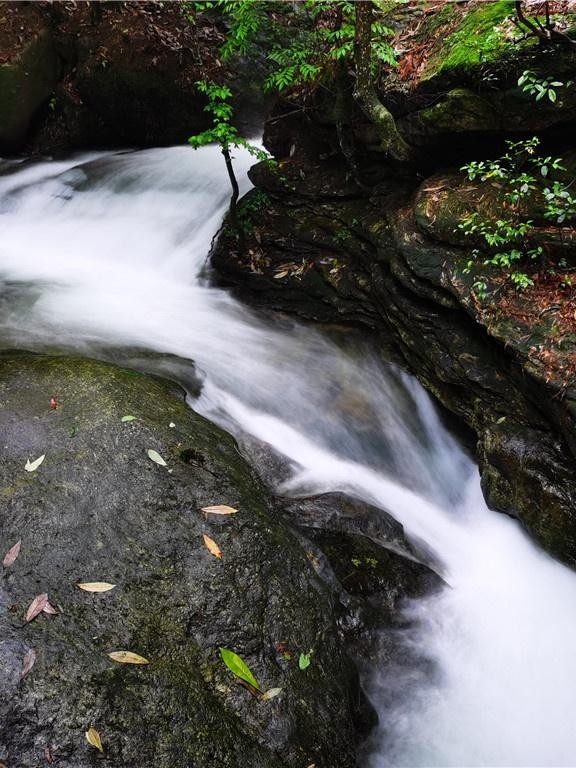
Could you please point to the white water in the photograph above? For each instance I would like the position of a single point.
(103, 253)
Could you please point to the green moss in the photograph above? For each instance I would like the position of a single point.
(478, 39)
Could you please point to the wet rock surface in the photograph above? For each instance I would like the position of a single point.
(98, 509)
(381, 259)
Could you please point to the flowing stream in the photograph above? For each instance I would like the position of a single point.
(105, 254)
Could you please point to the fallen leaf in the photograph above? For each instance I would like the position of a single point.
(54, 402)
(304, 660)
(127, 657)
(95, 586)
(211, 546)
(12, 554)
(93, 738)
(279, 275)
(238, 667)
(36, 606)
(219, 509)
(271, 694)
(33, 465)
(27, 663)
(128, 418)
(50, 610)
(48, 755)
(155, 456)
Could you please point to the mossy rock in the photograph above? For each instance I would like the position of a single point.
(460, 111)
(99, 509)
(478, 38)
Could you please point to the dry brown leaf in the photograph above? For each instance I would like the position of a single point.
(27, 663)
(271, 694)
(36, 606)
(48, 755)
(12, 554)
(93, 738)
(219, 509)
(127, 657)
(96, 586)
(50, 610)
(211, 546)
(280, 275)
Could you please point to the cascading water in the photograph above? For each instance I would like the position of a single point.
(105, 254)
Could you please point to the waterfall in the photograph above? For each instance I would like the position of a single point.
(105, 255)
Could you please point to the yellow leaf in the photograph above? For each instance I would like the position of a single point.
(211, 546)
(219, 509)
(96, 586)
(93, 738)
(127, 657)
(32, 466)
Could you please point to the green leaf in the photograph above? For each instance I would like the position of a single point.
(304, 660)
(238, 667)
(128, 418)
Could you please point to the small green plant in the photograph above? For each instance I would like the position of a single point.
(342, 236)
(523, 175)
(304, 660)
(540, 88)
(249, 207)
(224, 133)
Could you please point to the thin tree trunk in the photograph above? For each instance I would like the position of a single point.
(233, 209)
(365, 94)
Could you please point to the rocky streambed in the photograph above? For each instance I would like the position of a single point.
(288, 582)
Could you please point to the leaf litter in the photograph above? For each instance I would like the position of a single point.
(211, 546)
(127, 657)
(12, 554)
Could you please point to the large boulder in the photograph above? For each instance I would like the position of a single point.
(99, 509)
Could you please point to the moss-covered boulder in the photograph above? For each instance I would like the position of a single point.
(99, 509)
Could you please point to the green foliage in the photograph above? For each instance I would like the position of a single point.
(541, 87)
(523, 176)
(325, 40)
(249, 207)
(304, 660)
(222, 131)
(238, 667)
(244, 17)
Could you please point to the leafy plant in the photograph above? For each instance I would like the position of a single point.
(327, 39)
(224, 133)
(541, 87)
(522, 175)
